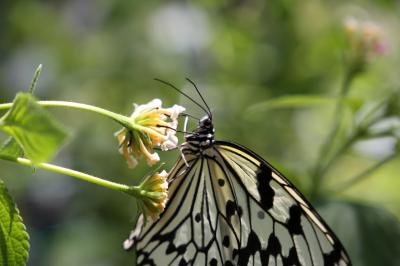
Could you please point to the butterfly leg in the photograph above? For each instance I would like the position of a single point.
(181, 149)
(185, 125)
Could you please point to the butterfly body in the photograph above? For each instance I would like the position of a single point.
(201, 138)
(228, 206)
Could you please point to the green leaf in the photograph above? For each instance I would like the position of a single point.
(34, 130)
(11, 149)
(35, 79)
(14, 240)
(300, 101)
(371, 235)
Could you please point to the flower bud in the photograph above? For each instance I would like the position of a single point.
(365, 40)
(153, 195)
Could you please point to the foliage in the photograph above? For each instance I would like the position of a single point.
(32, 128)
(13, 235)
(11, 149)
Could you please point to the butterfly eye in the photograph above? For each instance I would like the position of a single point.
(205, 122)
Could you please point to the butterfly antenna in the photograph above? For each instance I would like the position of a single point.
(191, 116)
(176, 130)
(184, 94)
(201, 96)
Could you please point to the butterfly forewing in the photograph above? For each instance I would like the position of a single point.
(230, 207)
(299, 235)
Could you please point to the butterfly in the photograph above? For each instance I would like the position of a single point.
(228, 206)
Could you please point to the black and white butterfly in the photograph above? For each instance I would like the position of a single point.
(228, 206)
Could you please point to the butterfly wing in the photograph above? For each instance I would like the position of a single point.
(282, 227)
(230, 207)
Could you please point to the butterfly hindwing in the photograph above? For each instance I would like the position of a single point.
(230, 207)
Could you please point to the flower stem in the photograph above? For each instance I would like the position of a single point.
(322, 165)
(339, 151)
(70, 172)
(358, 133)
(123, 120)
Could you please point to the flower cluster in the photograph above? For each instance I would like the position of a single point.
(153, 195)
(365, 39)
(150, 126)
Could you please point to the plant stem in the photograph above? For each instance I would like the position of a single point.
(70, 172)
(358, 132)
(321, 167)
(342, 149)
(364, 174)
(123, 120)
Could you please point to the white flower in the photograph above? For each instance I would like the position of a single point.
(170, 143)
(151, 126)
(176, 110)
(139, 109)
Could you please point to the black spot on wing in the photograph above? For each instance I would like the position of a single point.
(146, 260)
(253, 245)
(292, 258)
(264, 176)
(333, 257)
(213, 262)
(294, 221)
(239, 211)
(274, 248)
(225, 241)
(231, 208)
(171, 248)
(197, 217)
(181, 249)
(183, 262)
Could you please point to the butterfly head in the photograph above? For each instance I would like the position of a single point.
(203, 136)
(205, 127)
(206, 123)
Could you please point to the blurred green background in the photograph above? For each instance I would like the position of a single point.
(240, 54)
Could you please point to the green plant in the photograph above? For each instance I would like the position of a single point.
(35, 136)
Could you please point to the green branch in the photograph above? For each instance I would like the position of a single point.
(326, 158)
(70, 172)
(321, 167)
(121, 119)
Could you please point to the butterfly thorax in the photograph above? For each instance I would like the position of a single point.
(201, 138)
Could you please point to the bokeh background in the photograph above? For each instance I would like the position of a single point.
(242, 54)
